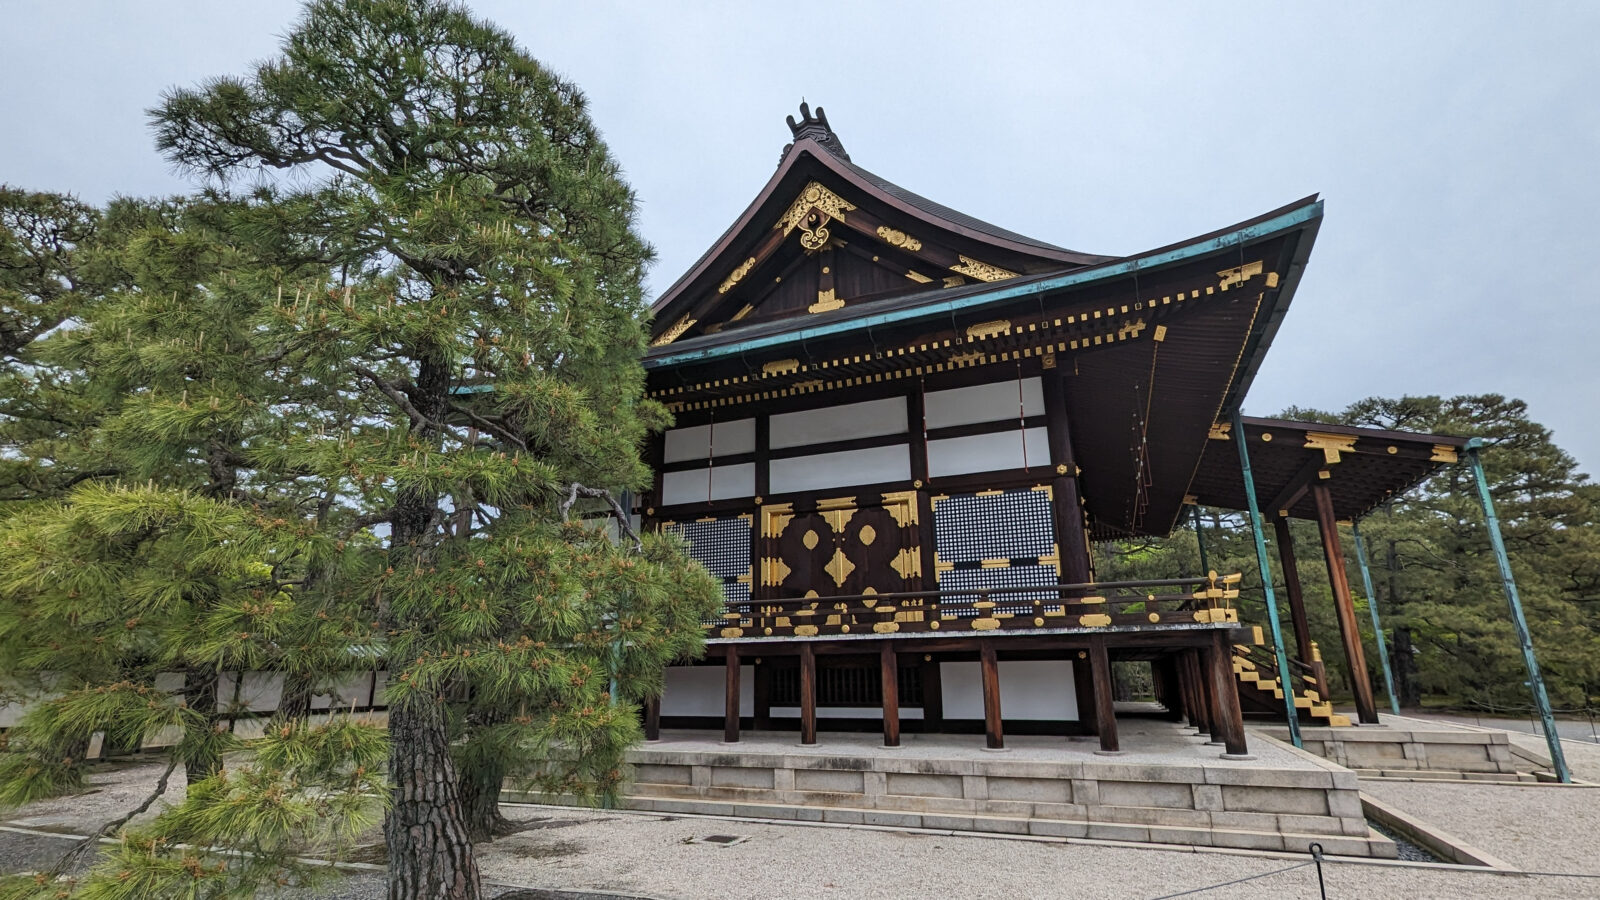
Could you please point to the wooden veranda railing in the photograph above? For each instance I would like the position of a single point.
(1151, 605)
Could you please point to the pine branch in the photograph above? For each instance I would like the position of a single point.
(112, 826)
(501, 432)
(576, 490)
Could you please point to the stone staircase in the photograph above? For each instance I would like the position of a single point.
(1255, 666)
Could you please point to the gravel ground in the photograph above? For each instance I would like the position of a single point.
(1532, 826)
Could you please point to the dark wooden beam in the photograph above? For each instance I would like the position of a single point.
(1228, 722)
(808, 695)
(730, 710)
(1105, 710)
(1072, 542)
(1083, 689)
(762, 714)
(932, 697)
(652, 719)
(1339, 581)
(889, 669)
(1291, 587)
(991, 697)
(1296, 487)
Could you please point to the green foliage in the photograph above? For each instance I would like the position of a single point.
(364, 402)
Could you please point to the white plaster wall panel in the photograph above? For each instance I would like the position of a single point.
(699, 486)
(719, 439)
(991, 402)
(1031, 689)
(700, 691)
(873, 465)
(869, 418)
(351, 686)
(990, 453)
(845, 712)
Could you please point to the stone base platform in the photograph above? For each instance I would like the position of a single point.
(1172, 788)
(1411, 747)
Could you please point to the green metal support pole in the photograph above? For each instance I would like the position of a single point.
(1200, 538)
(1372, 605)
(1266, 581)
(1535, 680)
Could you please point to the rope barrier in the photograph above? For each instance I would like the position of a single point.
(1212, 887)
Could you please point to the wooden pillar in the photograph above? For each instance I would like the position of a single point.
(932, 697)
(1171, 688)
(1083, 688)
(730, 709)
(991, 697)
(1360, 683)
(1071, 539)
(1200, 712)
(889, 670)
(1291, 587)
(652, 719)
(762, 720)
(1227, 719)
(1105, 710)
(808, 695)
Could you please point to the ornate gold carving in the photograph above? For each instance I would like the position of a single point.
(907, 563)
(903, 506)
(1154, 618)
(885, 627)
(810, 540)
(773, 571)
(996, 563)
(868, 535)
(805, 631)
(1239, 274)
(828, 206)
(1331, 445)
(839, 567)
(732, 632)
(735, 275)
(985, 624)
(1038, 623)
(969, 358)
(981, 270)
(899, 238)
(1061, 469)
(1160, 334)
(918, 277)
(1219, 431)
(826, 302)
(675, 332)
(781, 367)
(742, 313)
(951, 281)
(985, 330)
(1094, 620)
(1443, 453)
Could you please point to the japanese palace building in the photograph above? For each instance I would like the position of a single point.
(899, 430)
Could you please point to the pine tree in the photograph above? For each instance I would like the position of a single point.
(484, 307)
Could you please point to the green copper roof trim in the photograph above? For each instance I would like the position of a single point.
(1002, 292)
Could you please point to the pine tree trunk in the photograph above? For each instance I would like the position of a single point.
(430, 853)
(200, 694)
(294, 704)
(480, 801)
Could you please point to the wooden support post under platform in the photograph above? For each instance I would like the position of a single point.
(1200, 705)
(652, 719)
(1349, 630)
(991, 697)
(1227, 725)
(730, 709)
(932, 697)
(1083, 689)
(761, 718)
(808, 695)
(1105, 710)
(889, 670)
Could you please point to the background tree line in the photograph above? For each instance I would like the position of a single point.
(1438, 590)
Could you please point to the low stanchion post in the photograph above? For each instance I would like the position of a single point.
(1316, 856)
(1541, 699)
(1266, 580)
(1377, 627)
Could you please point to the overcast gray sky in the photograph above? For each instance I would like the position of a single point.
(1455, 144)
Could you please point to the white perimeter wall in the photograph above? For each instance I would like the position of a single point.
(1029, 689)
(700, 691)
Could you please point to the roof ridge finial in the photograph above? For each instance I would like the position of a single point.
(817, 129)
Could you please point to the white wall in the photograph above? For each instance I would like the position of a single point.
(869, 418)
(990, 453)
(1029, 689)
(873, 465)
(991, 402)
(702, 691)
(719, 438)
(695, 486)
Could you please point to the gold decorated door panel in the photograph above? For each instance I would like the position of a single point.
(841, 548)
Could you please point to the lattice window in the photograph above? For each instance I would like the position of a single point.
(997, 539)
(723, 547)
